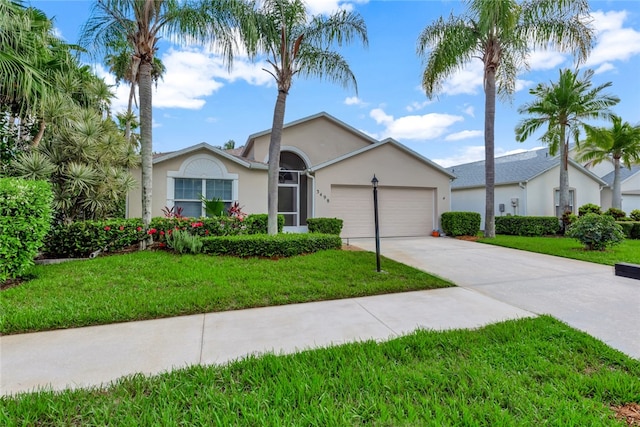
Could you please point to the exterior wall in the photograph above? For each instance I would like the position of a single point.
(250, 188)
(392, 167)
(320, 140)
(473, 200)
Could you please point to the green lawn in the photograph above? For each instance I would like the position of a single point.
(627, 251)
(155, 284)
(528, 372)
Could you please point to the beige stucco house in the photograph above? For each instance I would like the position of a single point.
(326, 171)
(525, 184)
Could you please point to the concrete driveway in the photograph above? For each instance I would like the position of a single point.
(587, 296)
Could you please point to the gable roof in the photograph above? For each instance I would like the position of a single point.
(249, 164)
(512, 169)
(389, 141)
(250, 140)
(625, 174)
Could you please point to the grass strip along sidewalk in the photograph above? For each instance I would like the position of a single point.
(157, 284)
(627, 251)
(527, 372)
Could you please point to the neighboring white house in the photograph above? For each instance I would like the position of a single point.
(525, 184)
(326, 171)
(630, 184)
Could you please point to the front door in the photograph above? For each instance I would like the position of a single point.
(292, 192)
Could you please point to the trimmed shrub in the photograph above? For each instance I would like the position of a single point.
(635, 215)
(264, 245)
(258, 223)
(81, 238)
(589, 208)
(460, 223)
(631, 229)
(596, 232)
(527, 225)
(25, 218)
(184, 242)
(616, 213)
(203, 227)
(325, 225)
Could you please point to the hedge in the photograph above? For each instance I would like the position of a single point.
(264, 245)
(631, 229)
(81, 238)
(25, 217)
(460, 223)
(527, 225)
(325, 225)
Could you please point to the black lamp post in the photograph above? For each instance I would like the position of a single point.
(374, 182)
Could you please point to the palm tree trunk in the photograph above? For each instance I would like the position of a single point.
(127, 126)
(563, 202)
(274, 161)
(489, 150)
(616, 200)
(146, 144)
(39, 135)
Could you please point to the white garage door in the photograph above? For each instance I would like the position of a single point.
(402, 211)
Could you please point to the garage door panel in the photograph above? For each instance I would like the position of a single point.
(403, 211)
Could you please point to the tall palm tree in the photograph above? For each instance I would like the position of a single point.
(501, 33)
(618, 144)
(296, 45)
(563, 107)
(142, 23)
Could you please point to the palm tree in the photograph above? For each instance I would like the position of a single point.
(142, 23)
(501, 33)
(563, 107)
(295, 44)
(619, 144)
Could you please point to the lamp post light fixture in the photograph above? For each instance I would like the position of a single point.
(374, 183)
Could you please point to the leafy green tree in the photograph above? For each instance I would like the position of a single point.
(298, 45)
(618, 144)
(501, 33)
(142, 23)
(563, 107)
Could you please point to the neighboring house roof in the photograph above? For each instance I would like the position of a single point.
(389, 141)
(511, 169)
(625, 174)
(250, 140)
(203, 145)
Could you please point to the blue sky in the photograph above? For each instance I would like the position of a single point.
(199, 101)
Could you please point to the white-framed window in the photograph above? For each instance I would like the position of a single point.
(188, 194)
(572, 197)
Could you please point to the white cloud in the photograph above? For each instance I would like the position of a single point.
(354, 100)
(545, 59)
(615, 43)
(469, 110)
(607, 66)
(467, 81)
(416, 106)
(465, 134)
(425, 127)
(522, 84)
(317, 7)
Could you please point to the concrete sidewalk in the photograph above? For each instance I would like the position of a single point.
(586, 296)
(97, 355)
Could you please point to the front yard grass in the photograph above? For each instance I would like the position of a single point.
(156, 284)
(627, 251)
(528, 372)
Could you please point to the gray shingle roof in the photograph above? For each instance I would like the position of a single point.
(624, 174)
(518, 167)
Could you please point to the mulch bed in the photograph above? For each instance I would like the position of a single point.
(630, 413)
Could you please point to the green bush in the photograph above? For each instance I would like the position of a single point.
(325, 225)
(264, 245)
(81, 238)
(635, 215)
(631, 229)
(460, 223)
(25, 217)
(527, 225)
(596, 232)
(616, 213)
(184, 242)
(258, 223)
(589, 208)
(203, 227)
